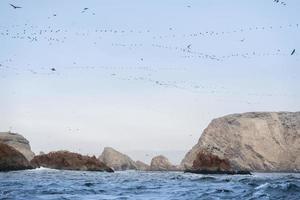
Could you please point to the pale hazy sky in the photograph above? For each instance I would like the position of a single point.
(144, 77)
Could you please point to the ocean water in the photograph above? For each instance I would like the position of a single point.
(58, 184)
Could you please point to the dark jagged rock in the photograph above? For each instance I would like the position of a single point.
(66, 160)
(11, 159)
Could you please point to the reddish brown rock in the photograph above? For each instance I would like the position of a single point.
(11, 159)
(207, 161)
(69, 161)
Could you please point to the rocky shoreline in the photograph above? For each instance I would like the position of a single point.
(233, 144)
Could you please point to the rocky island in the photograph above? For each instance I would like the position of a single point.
(18, 142)
(161, 163)
(236, 143)
(255, 141)
(117, 160)
(69, 161)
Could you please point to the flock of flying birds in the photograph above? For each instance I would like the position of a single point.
(53, 35)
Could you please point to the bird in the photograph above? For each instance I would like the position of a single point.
(85, 9)
(15, 7)
(189, 46)
(53, 69)
(293, 52)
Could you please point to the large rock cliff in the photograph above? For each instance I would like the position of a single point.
(18, 142)
(256, 141)
(117, 160)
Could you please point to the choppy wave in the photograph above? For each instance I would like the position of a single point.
(49, 184)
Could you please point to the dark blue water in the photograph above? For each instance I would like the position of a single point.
(54, 184)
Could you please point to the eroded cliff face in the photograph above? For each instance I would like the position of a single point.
(69, 161)
(256, 141)
(18, 142)
(117, 160)
(12, 159)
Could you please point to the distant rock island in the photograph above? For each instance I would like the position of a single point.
(161, 163)
(69, 161)
(117, 160)
(254, 141)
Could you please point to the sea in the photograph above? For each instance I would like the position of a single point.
(46, 184)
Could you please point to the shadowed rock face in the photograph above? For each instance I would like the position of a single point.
(117, 160)
(142, 166)
(207, 161)
(18, 142)
(257, 141)
(161, 163)
(69, 161)
(11, 159)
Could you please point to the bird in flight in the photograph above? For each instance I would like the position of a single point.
(85, 9)
(293, 52)
(15, 7)
(53, 69)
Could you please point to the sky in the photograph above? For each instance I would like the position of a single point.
(144, 77)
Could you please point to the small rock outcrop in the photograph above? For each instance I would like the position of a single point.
(66, 160)
(117, 160)
(142, 166)
(18, 142)
(161, 163)
(256, 141)
(11, 159)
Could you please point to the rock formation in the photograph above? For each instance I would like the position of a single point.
(69, 161)
(11, 159)
(142, 166)
(256, 141)
(117, 160)
(161, 163)
(18, 142)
